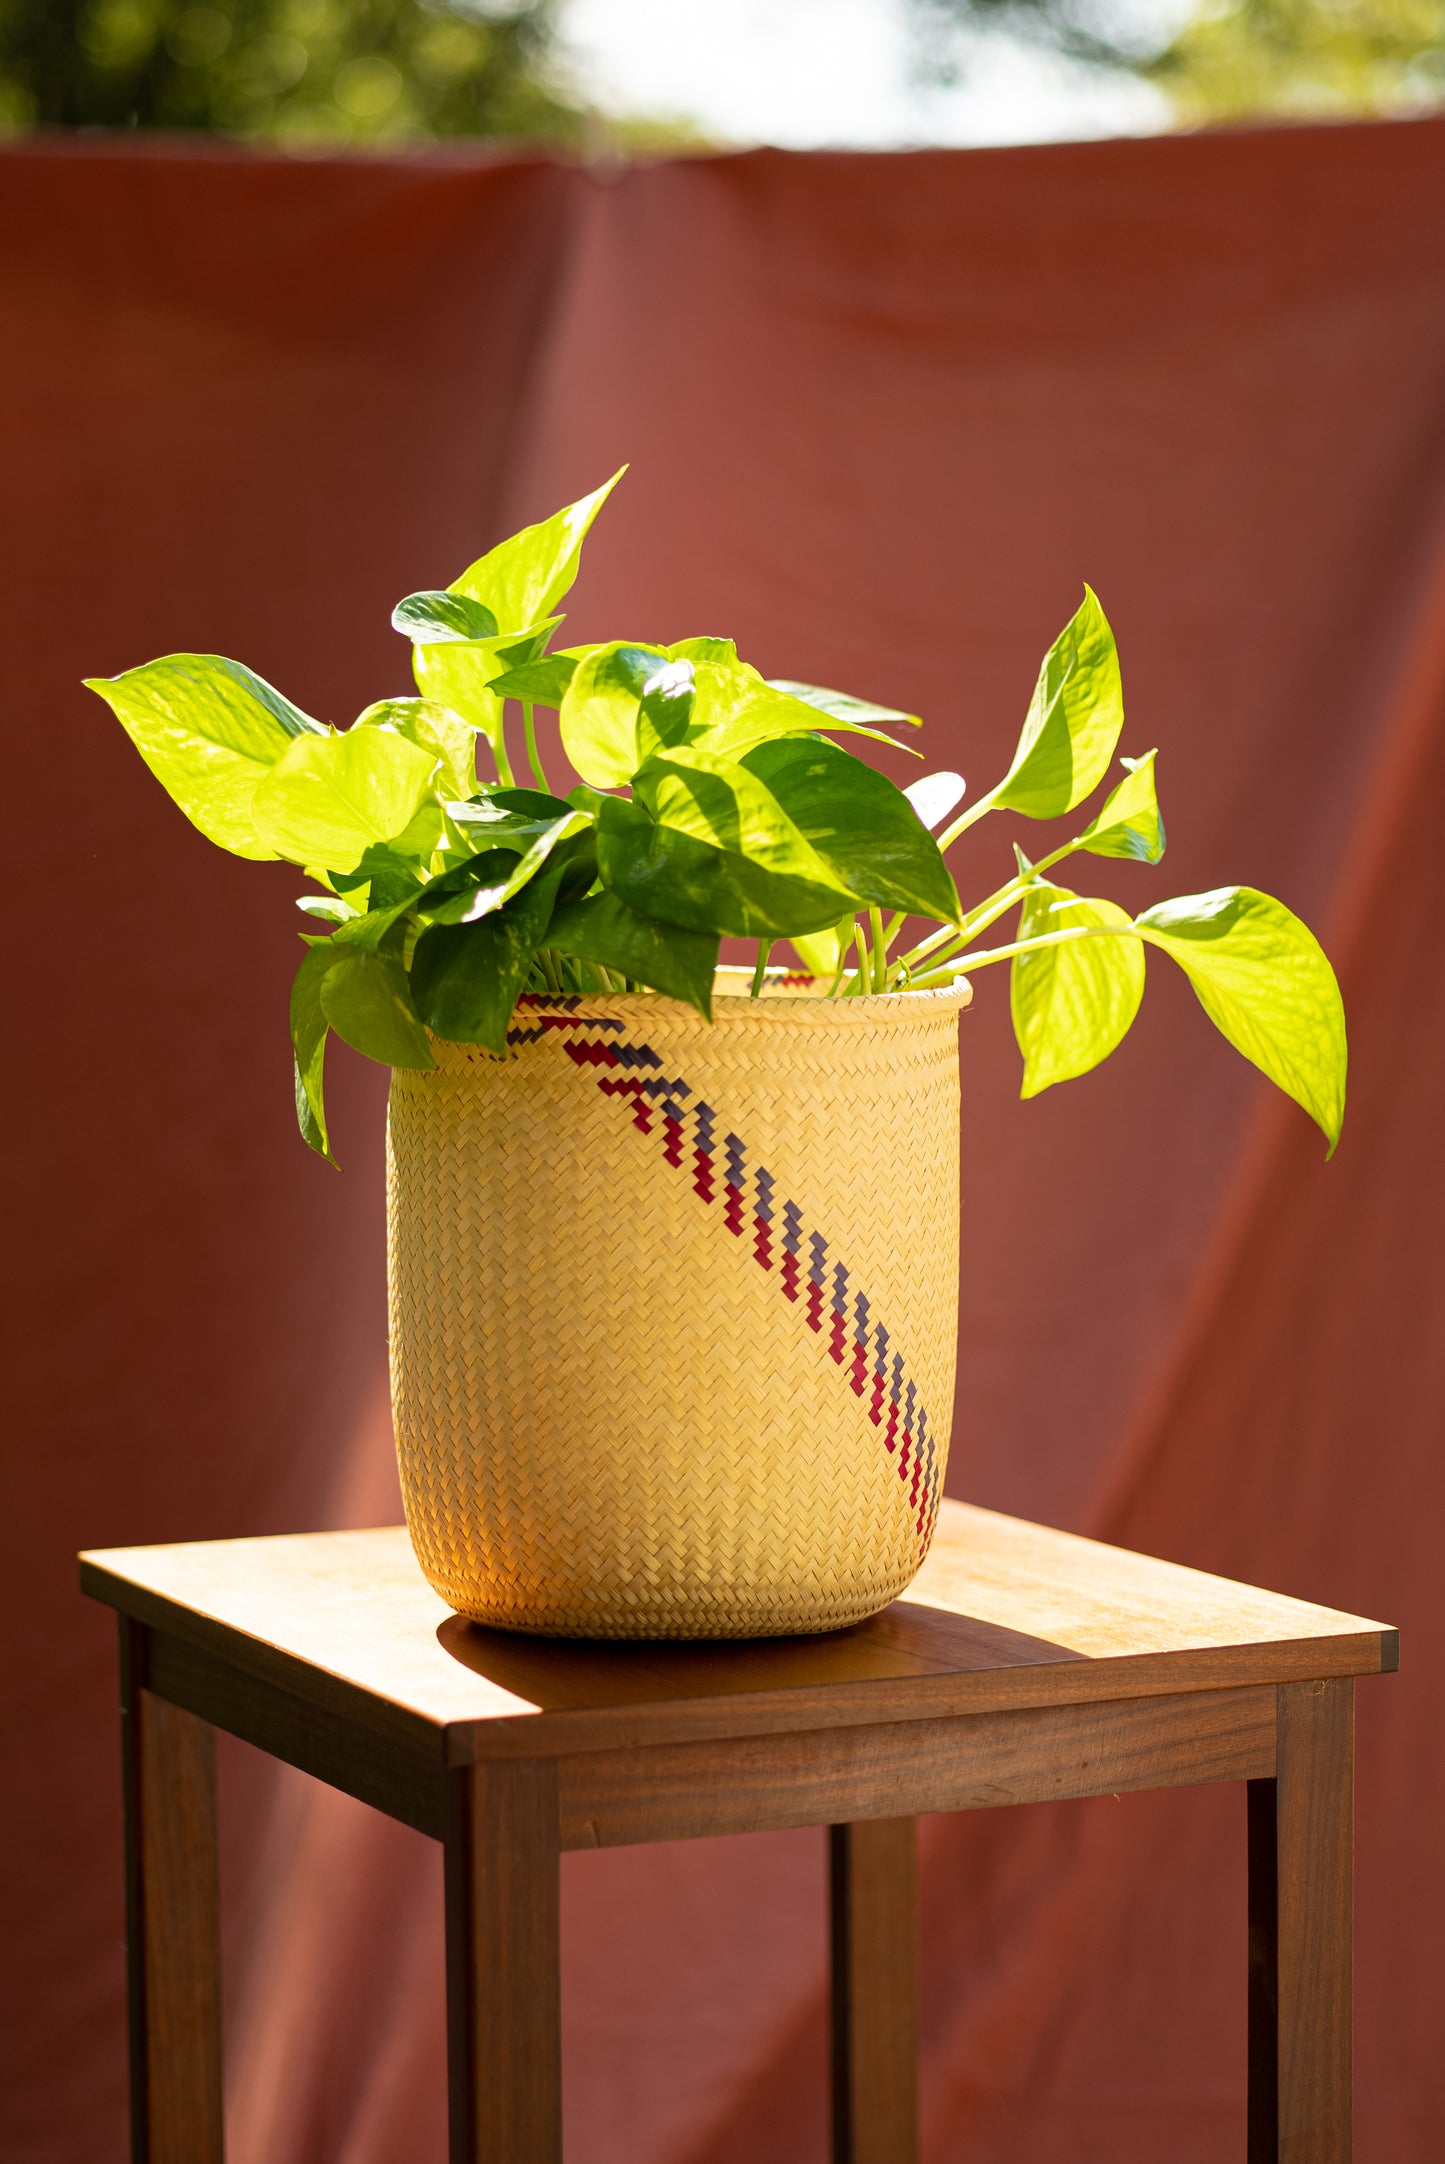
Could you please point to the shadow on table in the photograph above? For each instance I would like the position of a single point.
(907, 1639)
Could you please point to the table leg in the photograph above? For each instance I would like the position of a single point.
(1301, 1860)
(173, 1934)
(874, 1910)
(504, 2025)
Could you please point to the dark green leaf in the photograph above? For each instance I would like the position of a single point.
(665, 957)
(469, 892)
(1264, 981)
(663, 872)
(1073, 721)
(430, 618)
(370, 930)
(452, 890)
(366, 1000)
(862, 828)
(1072, 1003)
(209, 730)
(308, 1045)
(487, 822)
(386, 877)
(1130, 824)
(465, 978)
(536, 804)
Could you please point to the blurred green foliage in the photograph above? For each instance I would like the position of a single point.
(297, 71)
(1231, 59)
(1305, 58)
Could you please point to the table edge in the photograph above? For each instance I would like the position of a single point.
(871, 1701)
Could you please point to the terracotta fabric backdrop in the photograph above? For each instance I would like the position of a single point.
(885, 415)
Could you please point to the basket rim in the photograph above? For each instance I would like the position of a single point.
(776, 1005)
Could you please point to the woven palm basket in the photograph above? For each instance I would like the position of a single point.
(674, 1310)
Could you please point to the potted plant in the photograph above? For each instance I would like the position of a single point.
(672, 1337)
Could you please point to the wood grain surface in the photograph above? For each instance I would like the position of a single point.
(1301, 1905)
(967, 1762)
(1003, 1614)
(504, 1999)
(873, 1919)
(173, 1931)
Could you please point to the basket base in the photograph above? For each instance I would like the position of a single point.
(682, 1611)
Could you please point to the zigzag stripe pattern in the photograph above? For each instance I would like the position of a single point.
(807, 1272)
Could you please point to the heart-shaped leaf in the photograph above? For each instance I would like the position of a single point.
(436, 729)
(328, 798)
(1072, 1004)
(524, 577)
(462, 673)
(465, 979)
(1264, 981)
(209, 730)
(368, 1003)
(860, 827)
(600, 708)
(665, 957)
(667, 872)
(1073, 721)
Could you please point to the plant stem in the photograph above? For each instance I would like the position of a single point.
(858, 982)
(533, 760)
(880, 952)
(951, 939)
(981, 959)
(965, 820)
(765, 948)
(505, 776)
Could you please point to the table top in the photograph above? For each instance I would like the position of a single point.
(1003, 1614)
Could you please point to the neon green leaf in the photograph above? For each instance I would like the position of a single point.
(1073, 721)
(328, 798)
(1072, 1004)
(208, 729)
(1130, 824)
(1264, 981)
(525, 577)
(436, 729)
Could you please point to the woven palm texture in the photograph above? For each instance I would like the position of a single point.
(674, 1311)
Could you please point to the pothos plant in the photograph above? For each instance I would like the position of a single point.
(713, 802)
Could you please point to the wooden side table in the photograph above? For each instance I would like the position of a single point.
(1024, 1664)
